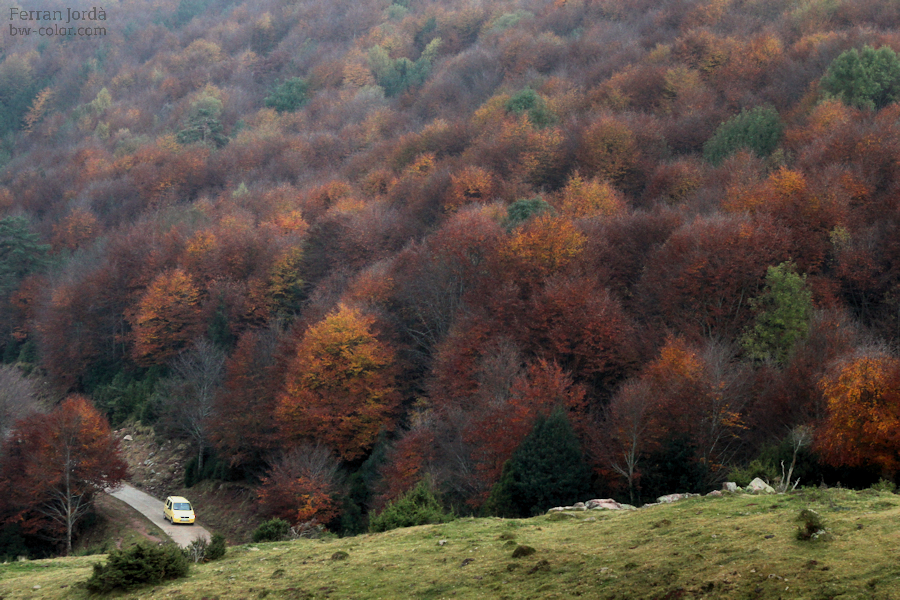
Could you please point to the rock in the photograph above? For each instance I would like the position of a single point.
(37, 587)
(715, 493)
(442, 542)
(542, 565)
(603, 503)
(128, 438)
(578, 506)
(759, 486)
(730, 486)
(669, 498)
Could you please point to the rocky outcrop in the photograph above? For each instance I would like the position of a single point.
(596, 504)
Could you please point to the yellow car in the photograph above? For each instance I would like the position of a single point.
(178, 510)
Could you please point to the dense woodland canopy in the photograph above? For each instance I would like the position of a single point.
(346, 246)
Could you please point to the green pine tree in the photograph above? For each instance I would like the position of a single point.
(546, 470)
(20, 252)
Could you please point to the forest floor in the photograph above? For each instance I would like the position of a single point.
(731, 547)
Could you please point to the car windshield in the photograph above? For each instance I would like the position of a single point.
(181, 506)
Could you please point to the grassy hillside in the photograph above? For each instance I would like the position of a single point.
(730, 547)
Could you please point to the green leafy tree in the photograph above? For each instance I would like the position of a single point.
(395, 75)
(20, 252)
(546, 470)
(867, 79)
(288, 96)
(758, 130)
(522, 210)
(783, 310)
(529, 101)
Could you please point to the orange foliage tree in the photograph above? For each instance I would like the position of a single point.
(166, 317)
(541, 247)
(862, 426)
(340, 385)
(53, 466)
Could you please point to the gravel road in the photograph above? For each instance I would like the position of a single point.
(152, 508)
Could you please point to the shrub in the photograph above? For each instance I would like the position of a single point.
(142, 564)
(867, 79)
(273, 530)
(203, 550)
(758, 130)
(811, 525)
(885, 485)
(216, 549)
(759, 467)
(418, 506)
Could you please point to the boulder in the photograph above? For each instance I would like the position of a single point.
(758, 486)
(730, 486)
(604, 503)
(669, 498)
(128, 438)
(715, 493)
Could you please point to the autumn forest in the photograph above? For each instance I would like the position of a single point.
(342, 249)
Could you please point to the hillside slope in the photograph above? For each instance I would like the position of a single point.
(729, 547)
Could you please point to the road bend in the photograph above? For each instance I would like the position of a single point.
(152, 508)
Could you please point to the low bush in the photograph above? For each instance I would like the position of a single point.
(139, 565)
(811, 525)
(759, 467)
(273, 530)
(885, 485)
(418, 506)
(203, 550)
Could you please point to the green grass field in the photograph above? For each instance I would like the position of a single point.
(728, 547)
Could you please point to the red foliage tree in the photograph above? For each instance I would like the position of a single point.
(243, 427)
(54, 465)
(499, 426)
(700, 281)
(301, 487)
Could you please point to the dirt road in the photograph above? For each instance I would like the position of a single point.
(152, 508)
